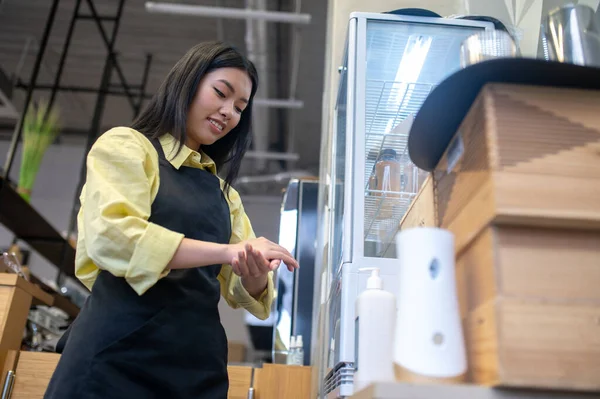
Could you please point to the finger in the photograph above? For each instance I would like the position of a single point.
(243, 264)
(274, 264)
(253, 267)
(235, 266)
(286, 258)
(262, 262)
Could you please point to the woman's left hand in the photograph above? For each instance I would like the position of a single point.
(253, 268)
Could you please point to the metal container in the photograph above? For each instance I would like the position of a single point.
(486, 45)
(572, 34)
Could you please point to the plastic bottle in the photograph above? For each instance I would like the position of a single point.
(291, 351)
(299, 353)
(387, 170)
(375, 320)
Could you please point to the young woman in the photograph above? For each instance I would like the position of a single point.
(161, 237)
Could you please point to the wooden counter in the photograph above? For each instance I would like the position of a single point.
(410, 391)
(33, 371)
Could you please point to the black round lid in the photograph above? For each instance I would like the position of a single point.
(444, 109)
(390, 152)
(414, 12)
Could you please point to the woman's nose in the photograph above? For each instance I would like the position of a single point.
(227, 110)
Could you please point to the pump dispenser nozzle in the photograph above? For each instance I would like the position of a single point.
(374, 282)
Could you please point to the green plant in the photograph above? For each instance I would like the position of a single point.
(40, 128)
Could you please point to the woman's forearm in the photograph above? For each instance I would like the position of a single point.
(195, 253)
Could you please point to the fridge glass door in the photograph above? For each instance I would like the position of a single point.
(404, 62)
(339, 179)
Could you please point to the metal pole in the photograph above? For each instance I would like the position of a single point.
(75, 89)
(144, 83)
(63, 57)
(110, 45)
(290, 145)
(227, 12)
(92, 134)
(110, 62)
(32, 81)
(258, 102)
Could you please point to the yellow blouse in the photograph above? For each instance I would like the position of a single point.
(114, 233)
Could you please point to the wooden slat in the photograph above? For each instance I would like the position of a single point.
(34, 370)
(476, 273)
(33, 374)
(9, 279)
(236, 352)
(401, 390)
(553, 264)
(239, 381)
(13, 324)
(546, 200)
(525, 262)
(421, 212)
(8, 362)
(481, 338)
(529, 343)
(275, 381)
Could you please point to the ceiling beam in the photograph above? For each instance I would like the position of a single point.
(228, 12)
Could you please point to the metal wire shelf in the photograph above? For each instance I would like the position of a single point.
(388, 103)
(383, 212)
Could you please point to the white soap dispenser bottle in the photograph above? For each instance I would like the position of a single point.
(375, 320)
(299, 353)
(291, 351)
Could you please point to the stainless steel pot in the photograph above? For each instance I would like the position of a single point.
(572, 34)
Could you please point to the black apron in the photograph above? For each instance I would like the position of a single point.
(169, 342)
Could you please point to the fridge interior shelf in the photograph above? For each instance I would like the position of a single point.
(388, 103)
(383, 212)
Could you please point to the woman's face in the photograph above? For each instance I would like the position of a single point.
(217, 107)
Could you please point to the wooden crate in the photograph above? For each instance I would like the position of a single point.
(236, 352)
(528, 262)
(34, 370)
(278, 381)
(529, 343)
(531, 304)
(523, 155)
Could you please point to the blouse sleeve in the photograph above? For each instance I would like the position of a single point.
(121, 183)
(232, 288)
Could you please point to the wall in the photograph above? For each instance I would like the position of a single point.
(53, 196)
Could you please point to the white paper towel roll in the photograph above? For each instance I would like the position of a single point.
(429, 337)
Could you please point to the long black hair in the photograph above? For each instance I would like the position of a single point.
(167, 111)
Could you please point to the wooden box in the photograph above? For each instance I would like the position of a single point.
(519, 186)
(523, 155)
(530, 301)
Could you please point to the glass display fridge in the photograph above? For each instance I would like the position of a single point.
(391, 63)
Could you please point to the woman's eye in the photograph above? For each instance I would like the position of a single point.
(219, 93)
(239, 110)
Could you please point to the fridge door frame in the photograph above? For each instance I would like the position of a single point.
(355, 208)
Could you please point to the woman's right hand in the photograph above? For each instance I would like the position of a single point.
(268, 249)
